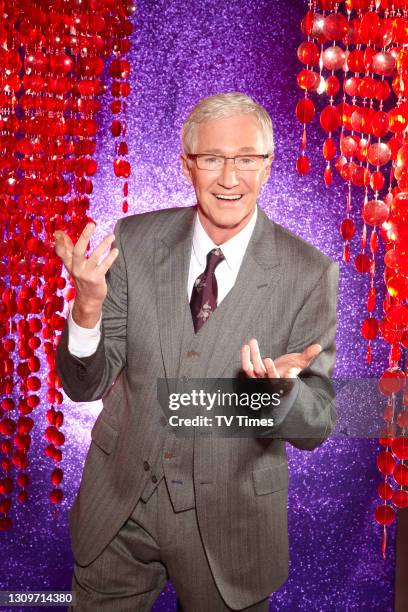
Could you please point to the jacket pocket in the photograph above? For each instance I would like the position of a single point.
(104, 436)
(270, 479)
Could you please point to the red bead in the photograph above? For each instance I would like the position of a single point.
(303, 164)
(329, 149)
(375, 212)
(6, 486)
(400, 498)
(5, 505)
(327, 176)
(308, 53)
(23, 480)
(308, 80)
(330, 118)
(347, 229)
(377, 180)
(123, 149)
(116, 106)
(392, 381)
(23, 496)
(384, 515)
(402, 419)
(122, 167)
(333, 58)
(379, 154)
(5, 523)
(335, 26)
(369, 328)
(332, 85)
(56, 476)
(362, 263)
(400, 474)
(398, 119)
(398, 315)
(400, 448)
(397, 286)
(305, 110)
(116, 128)
(371, 299)
(385, 490)
(385, 462)
(56, 496)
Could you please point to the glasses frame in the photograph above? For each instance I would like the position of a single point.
(194, 157)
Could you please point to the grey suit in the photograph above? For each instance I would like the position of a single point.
(285, 296)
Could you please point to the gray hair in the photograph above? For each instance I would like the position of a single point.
(225, 105)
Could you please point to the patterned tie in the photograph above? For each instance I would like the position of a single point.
(204, 295)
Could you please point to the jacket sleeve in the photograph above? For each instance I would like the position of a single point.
(310, 415)
(86, 379)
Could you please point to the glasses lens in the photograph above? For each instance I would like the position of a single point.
(246, 162)
(210, 162)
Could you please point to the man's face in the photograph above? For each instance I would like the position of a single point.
(230, 136)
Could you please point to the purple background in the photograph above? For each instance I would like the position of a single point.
(184, 50)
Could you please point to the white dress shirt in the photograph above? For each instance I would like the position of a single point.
(83, 341)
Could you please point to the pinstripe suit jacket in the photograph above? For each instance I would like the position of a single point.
(285, 296)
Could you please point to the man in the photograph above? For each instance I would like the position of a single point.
(206, 291)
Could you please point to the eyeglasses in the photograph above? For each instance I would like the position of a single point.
(205, 161)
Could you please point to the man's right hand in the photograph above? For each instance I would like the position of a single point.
(88, 273)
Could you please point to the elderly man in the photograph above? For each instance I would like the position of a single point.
(202, 292)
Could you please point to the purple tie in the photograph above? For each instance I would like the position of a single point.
(204, 295)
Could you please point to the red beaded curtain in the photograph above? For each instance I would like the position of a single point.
(355, 57)
(52, 57)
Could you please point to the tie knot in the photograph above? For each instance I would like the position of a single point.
(214, 257)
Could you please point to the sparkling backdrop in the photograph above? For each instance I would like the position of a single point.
(182, 51)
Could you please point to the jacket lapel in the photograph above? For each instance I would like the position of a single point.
(172, 261)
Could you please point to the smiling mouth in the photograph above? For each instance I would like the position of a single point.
(229, 198)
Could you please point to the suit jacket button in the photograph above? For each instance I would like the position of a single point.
(146, 465)
(154, 478)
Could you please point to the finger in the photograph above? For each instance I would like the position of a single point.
(83, 240)
(247, 365)
(256, 358)
(108, 261)
(101, 248)
(270, 367)
(63, 247)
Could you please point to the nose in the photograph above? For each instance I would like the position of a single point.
(228, 177)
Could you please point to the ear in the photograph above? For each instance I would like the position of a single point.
(187, 168)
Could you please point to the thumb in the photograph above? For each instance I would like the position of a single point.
(311, 352)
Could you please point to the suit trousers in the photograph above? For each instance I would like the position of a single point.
(154, 545)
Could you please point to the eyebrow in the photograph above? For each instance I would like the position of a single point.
(241, 150)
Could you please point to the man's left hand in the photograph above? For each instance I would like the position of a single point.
(285, 366)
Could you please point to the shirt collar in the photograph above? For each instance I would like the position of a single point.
(233, 250)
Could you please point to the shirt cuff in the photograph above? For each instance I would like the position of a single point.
(82, 341)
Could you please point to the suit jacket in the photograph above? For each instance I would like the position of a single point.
(285, 296)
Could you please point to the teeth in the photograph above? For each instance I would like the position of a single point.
(228, 197)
